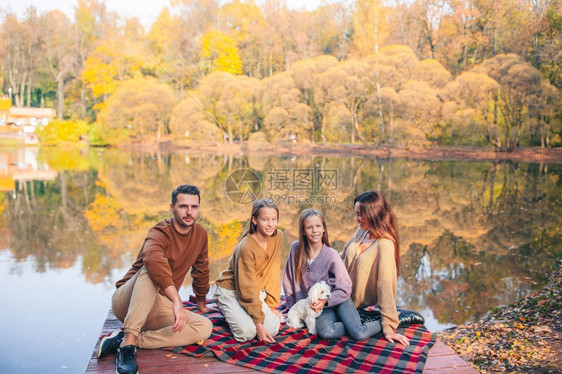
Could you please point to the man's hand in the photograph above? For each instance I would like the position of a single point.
(318, 306)
(180, 316)
(263, 335)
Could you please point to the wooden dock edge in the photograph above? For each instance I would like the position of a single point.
(440, 360)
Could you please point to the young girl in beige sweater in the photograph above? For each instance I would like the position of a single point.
(248, 291)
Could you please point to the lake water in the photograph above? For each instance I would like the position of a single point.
(474, 235)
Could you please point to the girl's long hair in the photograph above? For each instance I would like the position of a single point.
(380, 221)
(303, 251)
(258, 205)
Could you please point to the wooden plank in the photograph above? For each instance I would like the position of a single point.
(440, 360)
(155, 360)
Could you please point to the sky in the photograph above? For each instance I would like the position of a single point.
(145, 10)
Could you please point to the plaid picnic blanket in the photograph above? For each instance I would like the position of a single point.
(296, 351)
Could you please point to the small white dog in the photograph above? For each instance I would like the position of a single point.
(302, 311)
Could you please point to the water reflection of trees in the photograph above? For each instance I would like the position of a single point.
(460, 277)
(474, 234)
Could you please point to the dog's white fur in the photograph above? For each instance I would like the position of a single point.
(302, 311)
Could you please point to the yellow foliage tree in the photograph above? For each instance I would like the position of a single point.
(191, 125)
(370, 28)
(65, 159)
(245, 22)
(62, 132)
(113, 61)
(219, 52)
(467, 111)
(140, 107)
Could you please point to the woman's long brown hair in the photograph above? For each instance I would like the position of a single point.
(303, 251)
(258, 204)
(381, 221)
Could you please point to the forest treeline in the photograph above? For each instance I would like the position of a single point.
(401, 73)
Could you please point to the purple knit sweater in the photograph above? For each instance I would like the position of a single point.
(327, 266)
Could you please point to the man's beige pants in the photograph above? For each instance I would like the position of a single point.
(149, 315)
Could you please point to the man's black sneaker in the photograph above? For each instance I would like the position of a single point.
(110, 344)
(410, 317)
(126, 360)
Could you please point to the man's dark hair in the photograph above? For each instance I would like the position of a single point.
(185, 189)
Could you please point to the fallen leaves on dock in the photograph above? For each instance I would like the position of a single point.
(524, 337)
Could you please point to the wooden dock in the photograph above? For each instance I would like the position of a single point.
(441, 360)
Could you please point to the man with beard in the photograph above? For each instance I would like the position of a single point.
(147, 299)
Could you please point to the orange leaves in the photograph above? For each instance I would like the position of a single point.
(522, 337)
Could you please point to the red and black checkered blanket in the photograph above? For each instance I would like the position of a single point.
(296, 351)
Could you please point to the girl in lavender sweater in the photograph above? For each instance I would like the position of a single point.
(311, 260)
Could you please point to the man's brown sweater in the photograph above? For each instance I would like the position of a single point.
(168, 256)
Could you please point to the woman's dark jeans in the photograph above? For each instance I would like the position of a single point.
(335, 321)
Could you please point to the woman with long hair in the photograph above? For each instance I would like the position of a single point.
(372, 259)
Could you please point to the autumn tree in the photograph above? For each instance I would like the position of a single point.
(430, 14)
(546, 25)
(516, 101)
(404, 27)
(286, 116)
(21, 53)
(219, 52)
(370, 28)
(139, 108)
(59, 55)
(239, 105)
(276, 40)
(349, 89)
(391, 66)
(118, 57)
(467, 108)
(310, 79)
(245, 22)
(461, 37)
(196, 17)
(172, 51)
(90, 23)
(420, 109)
(191, 124)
